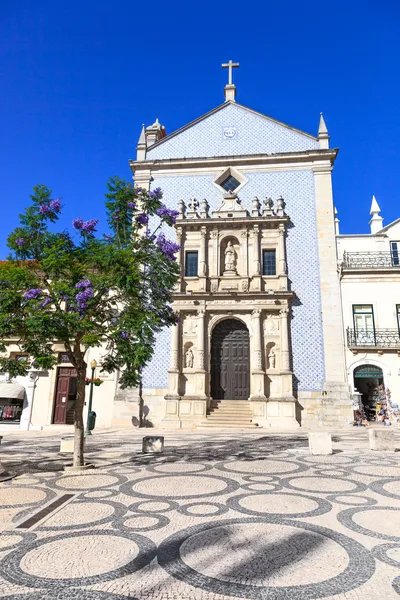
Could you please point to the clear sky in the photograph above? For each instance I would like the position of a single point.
(78, 78)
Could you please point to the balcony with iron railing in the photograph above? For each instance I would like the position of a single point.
(371, 260)
(376, 338)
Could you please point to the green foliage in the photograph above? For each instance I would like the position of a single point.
(81, 290)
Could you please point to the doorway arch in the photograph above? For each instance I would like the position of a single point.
(368, 380)
(230, 361)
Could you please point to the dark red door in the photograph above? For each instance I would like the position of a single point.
(65, 380)
(230, 361)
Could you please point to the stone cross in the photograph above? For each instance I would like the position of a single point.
(230, 65)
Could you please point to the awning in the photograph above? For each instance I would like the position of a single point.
(12, 390)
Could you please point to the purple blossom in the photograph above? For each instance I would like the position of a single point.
(124, 335)
(156, 194)
(83, 284)
(167, 247)
(83, 297)
(131, 205)
(20, 241)
(168, 214)
(46, 301)
(85, 226)
(55, 205)
(44, 209)
(77, 223)
(90, 225)
(138, 190)
(32, 294)
(107, 237)
(142, 219)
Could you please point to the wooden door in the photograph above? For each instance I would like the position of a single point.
(64, 380)
(230, 361)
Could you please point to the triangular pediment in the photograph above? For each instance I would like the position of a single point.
(231, 130)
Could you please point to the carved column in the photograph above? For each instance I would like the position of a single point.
(285, 347)
(257, 348)
(282, 266)
(256, 259)
(214, 264)
(200, 363)
(202, 259)
(257, 372)
(180, 258)
(200, 339)
(173, 371)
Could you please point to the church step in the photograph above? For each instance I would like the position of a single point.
(206, 425)
(241, 416)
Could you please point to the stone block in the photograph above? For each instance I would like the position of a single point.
(67, 444)
(320, 443)
(382, 439)
(153, 443)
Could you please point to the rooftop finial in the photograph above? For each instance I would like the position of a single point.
(376, 222)
(323, 136)
(142, 146)
(230, 89)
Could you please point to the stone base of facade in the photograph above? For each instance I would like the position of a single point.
(331, 408)
(279, 413)
(184, 412)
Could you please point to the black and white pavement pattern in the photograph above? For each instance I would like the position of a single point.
(216, 516)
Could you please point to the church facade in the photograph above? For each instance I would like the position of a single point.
(260, 339)
(258, 295)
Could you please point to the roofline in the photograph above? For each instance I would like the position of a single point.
(390, 225)
(220, 107)
(242, 159)
(359, 235)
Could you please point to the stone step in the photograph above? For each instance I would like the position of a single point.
(206, 425)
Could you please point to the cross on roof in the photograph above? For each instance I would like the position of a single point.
(230, 65)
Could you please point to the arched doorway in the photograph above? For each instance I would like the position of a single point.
(230, 361)
(368, 381)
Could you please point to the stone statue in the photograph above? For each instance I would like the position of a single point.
(230, 259)
(189, 359)
(272, 358)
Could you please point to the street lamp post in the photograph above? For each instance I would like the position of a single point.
(93, 364)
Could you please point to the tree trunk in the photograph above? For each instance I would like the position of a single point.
(78, 420)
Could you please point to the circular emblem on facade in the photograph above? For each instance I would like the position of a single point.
(229, 132)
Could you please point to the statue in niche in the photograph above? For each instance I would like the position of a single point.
(272, 358)
(230, 258)
(189, 359)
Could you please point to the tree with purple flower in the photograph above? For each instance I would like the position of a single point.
(86, 291)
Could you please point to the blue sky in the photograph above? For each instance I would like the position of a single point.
(79, 78)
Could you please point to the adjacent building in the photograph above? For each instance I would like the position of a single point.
(369, 272)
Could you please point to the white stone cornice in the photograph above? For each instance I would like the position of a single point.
(244, 161)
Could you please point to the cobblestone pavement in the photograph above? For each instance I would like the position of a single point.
(217, 516)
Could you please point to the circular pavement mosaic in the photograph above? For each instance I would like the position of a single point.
(374, 521)
(87, 558)
(203, 509)
(322, 485)
(150, 506)
(88, 481)
(178, 468)
(60, 595)
(263, 466)
(388, 553)
(287, 505)
(179, 486)
(387, 487)
(12, 496)
(273, 552)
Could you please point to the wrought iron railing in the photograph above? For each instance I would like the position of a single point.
(370, 260)
(377, 338)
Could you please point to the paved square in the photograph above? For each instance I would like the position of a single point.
(216, 516)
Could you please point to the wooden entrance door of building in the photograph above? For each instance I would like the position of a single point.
(65, 396)
(230, 361)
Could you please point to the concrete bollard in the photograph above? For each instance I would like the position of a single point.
(382, 439)
(320, 443)
(153, 443)
(67, 444)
